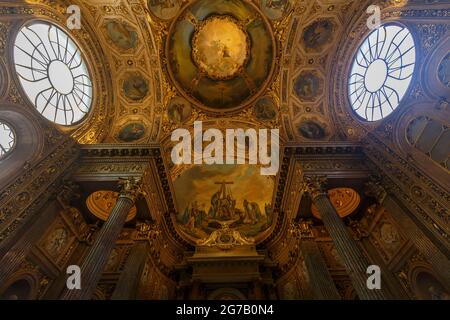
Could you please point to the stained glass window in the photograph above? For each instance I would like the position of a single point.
(382, 71)
(53, 73)
(7, 139)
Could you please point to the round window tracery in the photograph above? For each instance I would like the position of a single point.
(53, 73)
(381, 72)
(7, 139)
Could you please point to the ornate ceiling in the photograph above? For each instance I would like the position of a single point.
(159, 65)
(156, 67)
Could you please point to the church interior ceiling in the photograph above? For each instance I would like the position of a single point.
(150, 67)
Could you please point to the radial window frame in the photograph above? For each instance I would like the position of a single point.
(3, 152)
(68, 109)
(399, 84)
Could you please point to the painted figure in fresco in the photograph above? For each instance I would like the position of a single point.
(192, 216)
(122, 35)
(177, 112)
(223, 205)
(132, 132)
(317, 34)
(306, 86)
(252, 213)
(311, 130)
(136, 88)
(277, 4)
(265, 109)
(163, 3)
(164, 9)
(275, 9)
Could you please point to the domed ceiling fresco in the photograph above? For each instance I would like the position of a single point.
(220, 53)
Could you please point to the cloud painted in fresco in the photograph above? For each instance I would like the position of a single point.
(198, 183)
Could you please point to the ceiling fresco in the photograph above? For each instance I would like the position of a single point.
(211, 197)
(220, 53)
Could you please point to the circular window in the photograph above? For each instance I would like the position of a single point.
(7, 139)
(53, 73)
(382, 71)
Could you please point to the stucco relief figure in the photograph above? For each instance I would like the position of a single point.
(121, 35)
(389, 234)
(56, 241)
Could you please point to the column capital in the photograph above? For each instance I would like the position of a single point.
(146, 230)
(302, 229)
(131, 188)
(315, 186)
(375, 189)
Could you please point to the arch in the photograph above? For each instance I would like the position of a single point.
(21, 286)
(426, 285)
(431, 137)
(430, 73)
(411, 121)
(29, 141)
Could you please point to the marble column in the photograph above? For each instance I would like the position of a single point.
(97, 257)
(355, 262)
(126, 287)
(320, 279)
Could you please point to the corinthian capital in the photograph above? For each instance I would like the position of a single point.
(131, 188)
(315, 186)
(302, 229)
(374, 188)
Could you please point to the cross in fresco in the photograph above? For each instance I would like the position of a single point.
(222, 188)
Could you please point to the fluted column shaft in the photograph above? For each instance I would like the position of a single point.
(322, 283)
(355, 262)
(98, 255)
(129, 279)
(352, 257)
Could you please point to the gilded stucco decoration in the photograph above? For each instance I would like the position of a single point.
(101, 203)
(344, 200)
